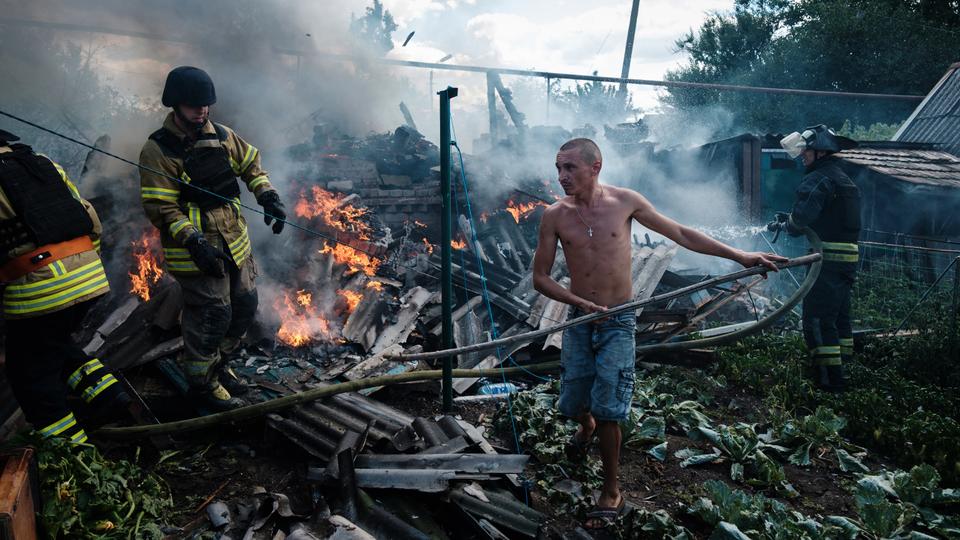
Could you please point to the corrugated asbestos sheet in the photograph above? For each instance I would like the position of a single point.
(937, 119)
(926, 167)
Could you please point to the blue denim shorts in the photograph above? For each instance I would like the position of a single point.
(597, 366)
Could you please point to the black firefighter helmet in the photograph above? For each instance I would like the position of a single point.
(818, 137)
(7, 137)
(187, 85)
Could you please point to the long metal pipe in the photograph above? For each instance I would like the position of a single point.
(446, 236)
(642, 82)
(813, 260)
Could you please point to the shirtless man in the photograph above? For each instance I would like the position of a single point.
(593, 223)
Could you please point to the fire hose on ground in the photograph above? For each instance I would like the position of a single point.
(250, 412)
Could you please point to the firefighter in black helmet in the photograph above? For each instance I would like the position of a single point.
(51, 274)
(204, 235)
(829, 203)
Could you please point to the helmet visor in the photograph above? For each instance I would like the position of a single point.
(794, 144)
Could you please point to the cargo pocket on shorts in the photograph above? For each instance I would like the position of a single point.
(625, 385)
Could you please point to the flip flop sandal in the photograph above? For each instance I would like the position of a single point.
(576, 451)
(605, 515)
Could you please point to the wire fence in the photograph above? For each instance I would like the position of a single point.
(901, 279)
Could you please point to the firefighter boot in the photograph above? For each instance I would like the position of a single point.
(830, 378)
(231, 381)
(225, 374)
(215, 397)
(837, 382)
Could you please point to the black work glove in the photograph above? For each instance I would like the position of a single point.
(209, 260)
(782, 217)
(270, 201)
(775, 226)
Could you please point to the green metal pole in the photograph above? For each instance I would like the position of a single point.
(954, 329)
(446, 235)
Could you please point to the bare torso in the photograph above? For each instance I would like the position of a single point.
(599, 265)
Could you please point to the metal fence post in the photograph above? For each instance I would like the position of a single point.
(954, 329)
(446, 235)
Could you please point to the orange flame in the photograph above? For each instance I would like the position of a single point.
(458, 244)
(299, 321)
(148, 269)
(357, 261)
(352, 298)
(376, 285)
(429, 245)
(333, 211)
(522, 209)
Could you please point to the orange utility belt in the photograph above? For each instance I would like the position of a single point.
(42, 256)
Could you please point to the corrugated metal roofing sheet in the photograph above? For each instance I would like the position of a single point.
(937, 118)
(926, 167)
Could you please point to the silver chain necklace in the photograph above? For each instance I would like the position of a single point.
(585, 224)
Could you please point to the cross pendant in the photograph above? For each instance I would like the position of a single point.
(590, 232)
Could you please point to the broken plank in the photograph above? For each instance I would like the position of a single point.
(473, 463)
(411, 304)
(474, 435)
(453, 446)
(425, 480)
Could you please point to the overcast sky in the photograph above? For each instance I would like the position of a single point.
(573, 36)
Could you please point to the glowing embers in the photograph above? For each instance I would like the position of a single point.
(147, 271)
(356, 261)
(335, 210)
(300, 321)
(522, 210)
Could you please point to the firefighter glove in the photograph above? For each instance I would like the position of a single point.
(775, 226)
(270, 201)
(782, 217)
(209, 260)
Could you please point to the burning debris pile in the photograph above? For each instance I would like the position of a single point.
(367, 286)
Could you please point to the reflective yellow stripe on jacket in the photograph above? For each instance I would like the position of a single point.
(240, 248)
(841, 252)
(179, 262)
(49, 293)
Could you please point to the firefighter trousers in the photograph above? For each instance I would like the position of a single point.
(216, 314)
(44, 364)
(827, 330)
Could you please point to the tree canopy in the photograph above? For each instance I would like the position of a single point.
(601, 103)
(375, 27)
(877, 46)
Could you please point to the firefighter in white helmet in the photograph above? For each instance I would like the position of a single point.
(828, 202)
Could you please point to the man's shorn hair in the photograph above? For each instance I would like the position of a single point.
(589, 151)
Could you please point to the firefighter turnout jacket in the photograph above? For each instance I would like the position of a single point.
(49, 237)
(829, 203)
(214, 162)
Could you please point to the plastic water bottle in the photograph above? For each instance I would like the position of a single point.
(497, 388)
